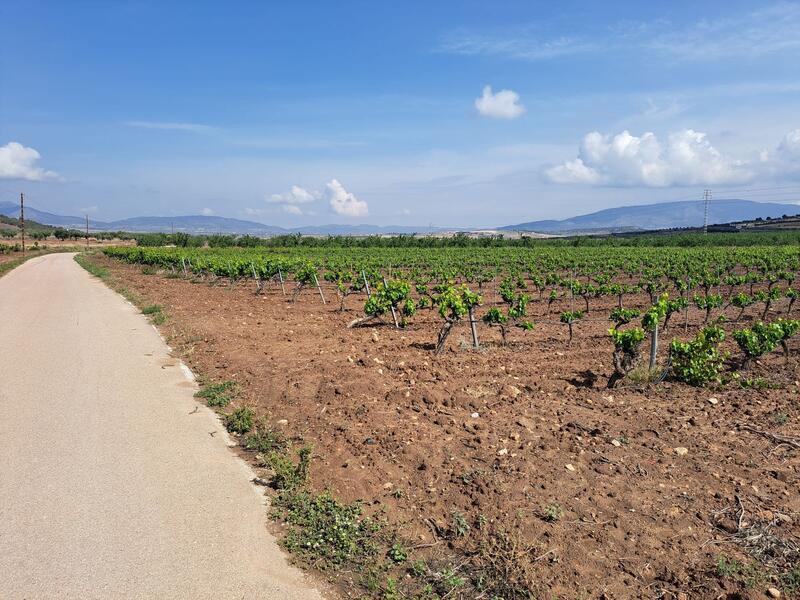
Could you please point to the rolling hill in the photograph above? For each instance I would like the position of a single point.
(11, 209)
(201, 224)
(665, 215)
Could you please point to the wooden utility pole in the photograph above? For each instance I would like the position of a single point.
(22, 219)
(87, 232)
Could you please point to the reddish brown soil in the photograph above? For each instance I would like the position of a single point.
(504, 431)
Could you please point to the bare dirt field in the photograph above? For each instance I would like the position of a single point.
(638, 492)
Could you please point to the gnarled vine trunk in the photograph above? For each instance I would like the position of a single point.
(624, 362)
(444, 333)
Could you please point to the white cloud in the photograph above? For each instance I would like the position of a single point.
(207, 212)
(292, 209)
(502, 105)
(19, 162)
(523, 44)
(770, 29)
(343, 202)
(296, 195)
(784, 161)
(789, 148)
(172, 126)
(687, 158)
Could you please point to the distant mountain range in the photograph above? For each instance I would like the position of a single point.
(665, 215)
(200, 224)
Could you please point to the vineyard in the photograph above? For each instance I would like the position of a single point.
(537, 422)
(520, 287)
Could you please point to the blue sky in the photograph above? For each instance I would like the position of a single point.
(298, 113)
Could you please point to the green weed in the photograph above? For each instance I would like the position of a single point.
(218, 394)
(264, 440)
(397, 553)
(156, 314)
(461, 527)
(326, 532)
(289, 475)
(746, 574)
(239, 421)
(553, 512)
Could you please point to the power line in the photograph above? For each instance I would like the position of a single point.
(764, 189)
(22, 219)
(707, 199)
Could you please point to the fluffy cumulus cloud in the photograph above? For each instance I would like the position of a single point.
(343, 202)
(789, 148)
(296, 195)
(504, 104)
(19, 162)
(291, 200)
(292, 209)
(686, 158)
(784, 161)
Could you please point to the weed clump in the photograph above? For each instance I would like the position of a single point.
(553, 512)
(239, 421)
(218, 394)
(324, 531)
(289, 475)
(156, 314)
(264, 440)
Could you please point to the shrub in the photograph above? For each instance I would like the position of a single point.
(699, 361)
(623, 316)
(239, 421)
(673, 306)
(792, 295)
(569, 317)
(758, 340)
(517, 311)
(454, 304)
(741, 301)
(387, 297)
(762, 338)
(288, 474)
(708, 303)
(264, 440)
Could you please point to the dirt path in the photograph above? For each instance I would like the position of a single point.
(111, 484)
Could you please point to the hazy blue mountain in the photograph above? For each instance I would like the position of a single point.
(11, 209)
(193, 224)
(200, 224)
(665, 215)
(361, 230)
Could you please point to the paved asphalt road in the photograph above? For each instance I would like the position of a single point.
(109, 486)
